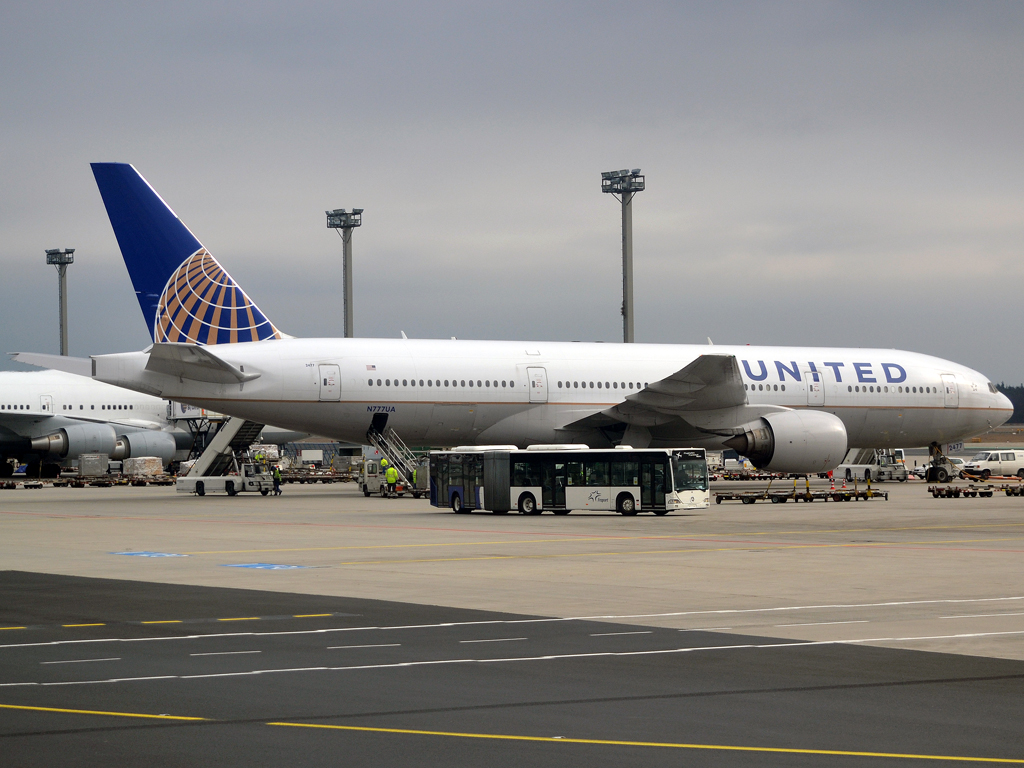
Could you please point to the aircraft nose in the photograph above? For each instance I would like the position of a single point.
(1004, 402)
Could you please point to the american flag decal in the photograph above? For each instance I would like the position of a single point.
(371, 367)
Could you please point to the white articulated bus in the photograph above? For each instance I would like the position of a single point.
(561, 478)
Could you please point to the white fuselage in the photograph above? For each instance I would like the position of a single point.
(38, 403)
(35, 403)
(444, 393)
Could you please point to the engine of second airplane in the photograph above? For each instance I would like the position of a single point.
(145, 443)
(801, 442)
(71, 442)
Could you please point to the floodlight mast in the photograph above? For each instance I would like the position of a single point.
(339, 219)
(61, 259)
(624, 184)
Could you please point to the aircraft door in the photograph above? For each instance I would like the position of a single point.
(815, 387)
(330, 382)
(950, 394)
(538, 384)
(46, 403)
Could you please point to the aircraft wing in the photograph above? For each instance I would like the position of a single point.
(711, 382)
(707, 394)
(80, 366)
(190, 361)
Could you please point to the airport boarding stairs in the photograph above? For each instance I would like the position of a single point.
(860, 456)
(234, 436)
(394, 449)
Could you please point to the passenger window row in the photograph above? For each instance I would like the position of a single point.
(900, 390)
(600, 385)
(506, 383)
(760, 387)
(14, 408)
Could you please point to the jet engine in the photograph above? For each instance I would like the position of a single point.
(802, 442)
(71, 442)
(145, 443)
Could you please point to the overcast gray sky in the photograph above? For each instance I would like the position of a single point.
(817, 173)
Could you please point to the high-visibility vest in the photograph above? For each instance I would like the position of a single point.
(391, 475)
(414, 476)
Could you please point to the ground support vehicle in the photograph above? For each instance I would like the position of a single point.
(877, 465)
(371, 480)
(253, 477)
(1005, 462)
(971, 490)
(781, 497)
(561, 478)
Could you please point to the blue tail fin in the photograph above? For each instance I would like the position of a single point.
(185, 294)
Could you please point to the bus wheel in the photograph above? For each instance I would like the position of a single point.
(527, 504)
(625, 504)
(457, 504)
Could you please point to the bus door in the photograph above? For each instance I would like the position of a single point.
(652, 485)
(553, 482)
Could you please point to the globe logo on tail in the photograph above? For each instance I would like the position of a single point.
(201, 304)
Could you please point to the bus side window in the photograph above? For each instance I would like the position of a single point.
(624, 473)
(519, 474)
(574, 471)
(597, 473)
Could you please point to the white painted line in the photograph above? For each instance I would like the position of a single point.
(980, 615)
(614, 634)
(79, 661)
(824, 623)
(496, 640)
(223, 653)
(554, 657)
(704, 629)
(343, 647)
(607, 617)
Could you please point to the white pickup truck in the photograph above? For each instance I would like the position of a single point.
(254, 477)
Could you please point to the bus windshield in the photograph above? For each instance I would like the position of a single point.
(690, 473)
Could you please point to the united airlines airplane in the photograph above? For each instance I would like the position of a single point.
(788, 409)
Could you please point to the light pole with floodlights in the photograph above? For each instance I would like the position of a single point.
(624, 184)
(346, 222)
(61, 259)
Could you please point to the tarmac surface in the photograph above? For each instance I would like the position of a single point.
(136, 627)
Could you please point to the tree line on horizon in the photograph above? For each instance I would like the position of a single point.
(1016, 395)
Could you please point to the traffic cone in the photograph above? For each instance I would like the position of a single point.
(833, 484)
(844, 482)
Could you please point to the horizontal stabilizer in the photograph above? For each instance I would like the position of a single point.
(190, 361)
(80, 366)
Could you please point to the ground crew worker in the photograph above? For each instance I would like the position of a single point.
(414, 471)
(391, 476)
(277, 480)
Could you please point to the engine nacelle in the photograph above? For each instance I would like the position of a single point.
(145, 443)
(801, 442)
(72, 442)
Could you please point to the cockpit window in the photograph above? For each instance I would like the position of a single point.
(992, 388)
